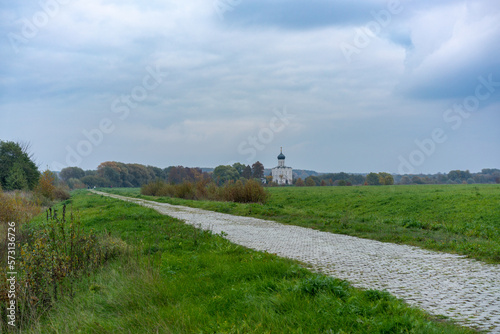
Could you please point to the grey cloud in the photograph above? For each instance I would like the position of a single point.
(299, 14)
(231, 74)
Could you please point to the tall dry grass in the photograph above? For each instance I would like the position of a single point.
(18, 207)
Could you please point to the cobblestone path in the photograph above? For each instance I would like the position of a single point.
(465, 290)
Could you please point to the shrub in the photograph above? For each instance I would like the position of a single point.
(251, 191)
(46, 187)
(75, 184)
(61, 193)
(248, 191)
(202, 190)
(184, 190)
(46, 191)
(300, 182)
(153, 188)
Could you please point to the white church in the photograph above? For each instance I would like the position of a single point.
(282, 175)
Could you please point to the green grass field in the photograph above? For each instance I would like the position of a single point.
(177, 279)
(463, 219)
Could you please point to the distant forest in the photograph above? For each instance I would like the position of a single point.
(117, 174)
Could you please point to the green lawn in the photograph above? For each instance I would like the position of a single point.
(463, 219)
(178, 279)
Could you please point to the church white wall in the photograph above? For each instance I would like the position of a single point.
(282, 174)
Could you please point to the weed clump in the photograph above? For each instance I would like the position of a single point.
(317, 284)
(50, 258)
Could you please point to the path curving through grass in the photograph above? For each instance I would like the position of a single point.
(443, 284)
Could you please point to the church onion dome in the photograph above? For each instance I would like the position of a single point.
(281, 156)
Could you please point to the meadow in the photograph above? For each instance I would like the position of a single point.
(174, 278)
(462, 219)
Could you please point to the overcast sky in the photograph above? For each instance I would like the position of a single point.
(354, 86)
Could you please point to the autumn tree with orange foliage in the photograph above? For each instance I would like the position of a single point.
(46, 187)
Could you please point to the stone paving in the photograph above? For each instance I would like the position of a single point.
(462, 289)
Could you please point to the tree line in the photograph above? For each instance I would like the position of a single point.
(118, 174)
(18, 171)
(331, 179)
(487, 175)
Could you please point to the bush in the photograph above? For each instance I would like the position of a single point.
(184, 190)
(61, 193)
(300, 182)
(75, 184)
(46, 191)
(160, 188)
(249, 191)
(153, 188)
(46, 187)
